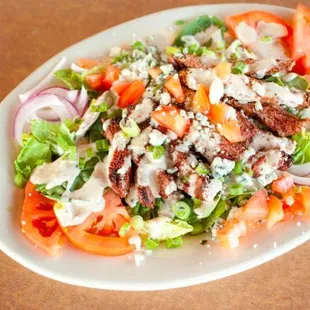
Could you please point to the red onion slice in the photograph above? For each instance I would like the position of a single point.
(300, 170)
(47, 80)
(70, 95)
(301, 180)
(27, 111)
(81, 103)
(77, 68)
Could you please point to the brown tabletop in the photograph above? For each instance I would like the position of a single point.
(32, 31)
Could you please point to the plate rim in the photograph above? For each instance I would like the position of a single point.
(149, 286)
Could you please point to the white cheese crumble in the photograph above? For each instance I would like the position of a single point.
(165, 98)
(136, 241)
(157, 138)
(221, 167)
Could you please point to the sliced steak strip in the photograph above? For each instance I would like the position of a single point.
(145, 196)
(187, 61)
(111, 127)
(269, 161)
(166, 184)
(272, 116)
(119, 165)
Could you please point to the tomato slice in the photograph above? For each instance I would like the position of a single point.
(231, 131)
(220, 113)
(111, 75)
(171, 118)
(132, 94)
(87, 63)
(253, 17)
(99, 233)
(283, 184)
(154, 72)
(201, 101)
(95, 81)
(174, 87)
(119, 88)
(276, 213)
(301, 37)
(222, 70)
(256, 208)
(39, 223)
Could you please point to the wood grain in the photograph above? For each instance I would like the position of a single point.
(30, 33)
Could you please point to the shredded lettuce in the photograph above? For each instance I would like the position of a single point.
(71, 79)
(198, 25)
(53, 193)
(302, 151)
(57, 136)
(33, 154)
(215, 215)
(163, 228)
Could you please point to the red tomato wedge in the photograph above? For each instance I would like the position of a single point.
(99, 233)
(220, 113)
(119, 88)
(201, 101)
(132, 94)
(283, 184)
(301, 37)
(231, 131)
(111, 75)
(39, 222)
(276, 213)
(154, 72)
(95, 81)
(87, 63)
(171, 118)
(222, 70)
(253, 17)
(256, 208)
(174, 87)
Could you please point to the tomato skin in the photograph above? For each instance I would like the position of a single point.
(98, 234)
(111, 75)
(132, 94)
(171, 118)
(231, 131)
(154, 72)
(174, 87)
(201, 102)
(39, 223)
(283, 184)
(87, 63)
(95, 81)
(301, 36)
(276, 213)
(222, 70)
(119, 88)
(256, 208)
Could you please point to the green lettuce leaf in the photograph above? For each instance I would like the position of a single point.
(33, 154)
(197, 25)
(57, 136)
(54, 193)
(163, 228)
(215, 215)
(302, 151)
(70, 78)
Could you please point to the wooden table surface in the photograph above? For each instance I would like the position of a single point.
(31, 31)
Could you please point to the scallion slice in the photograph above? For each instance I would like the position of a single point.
(124, 229)
(102, 145)
(181, 210)
(236, 189)
(150, 244)
(130, 128)
(174, 243)
(202, 169)
(238, 168)
(137, 222)
(299, 82)
(239, 68)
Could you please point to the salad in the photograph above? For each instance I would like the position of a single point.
(205, 134)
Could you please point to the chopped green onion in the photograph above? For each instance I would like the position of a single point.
(82, 162)
(102, 145)
(19, 180)
(114, 113)
(90, 153)
(158, 151)
(275, 79)
(181, 210)
(131, 130)
(124, 229)
(174, 243)
(197, 203)
(238, 168)
(198, 228)
(236, 189)
(202, 169)
(249, 171)
(184, 179)
(150, 244)
(179, 22)
(137, 222)
(138, 45)
(299, 82)
(266, 39)
(171, 50)
(98, 107)
(206, 52)
(239, 68)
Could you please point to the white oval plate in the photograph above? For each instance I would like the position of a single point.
(193, 263)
